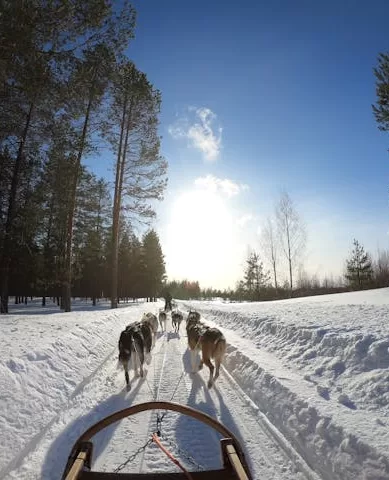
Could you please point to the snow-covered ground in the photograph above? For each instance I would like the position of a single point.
(305, 388)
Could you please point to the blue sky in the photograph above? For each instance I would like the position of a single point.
(259, 97)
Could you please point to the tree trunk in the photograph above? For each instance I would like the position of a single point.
(289, 261)
(72, 208)
(5, 260)
(62, 298)
(117, 204)
(275, 273)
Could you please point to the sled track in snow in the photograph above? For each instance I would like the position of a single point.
(264, 445)
(156, 390)
(174, 384)
(105, 382)
(168, 377)
(270, 430)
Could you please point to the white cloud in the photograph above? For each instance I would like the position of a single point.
(221, 185)
(244, 219)
(200, 130)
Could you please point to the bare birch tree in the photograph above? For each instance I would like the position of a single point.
(270, 247)
(291, 233)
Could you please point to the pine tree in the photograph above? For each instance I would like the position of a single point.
(124, 268)
(91, 228)
(41, 44)
(140, 169)
(154, 263)
(255, 276)
(381, 109)
(53, 191)
(137, 277)
(359, 266)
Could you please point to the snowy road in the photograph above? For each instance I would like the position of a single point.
(168, 378)
(317, 369)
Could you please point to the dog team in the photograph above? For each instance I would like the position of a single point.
(138, 339)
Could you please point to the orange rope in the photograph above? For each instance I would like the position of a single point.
(173, 459)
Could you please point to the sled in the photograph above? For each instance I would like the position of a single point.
(234, 467)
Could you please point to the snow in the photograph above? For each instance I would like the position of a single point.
(305, 388)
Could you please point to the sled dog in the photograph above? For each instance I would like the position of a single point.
(152, 320)
(210, 341)
(193, 316)
(213, 346)
(163, 320)
(177, 318)
(131, 347)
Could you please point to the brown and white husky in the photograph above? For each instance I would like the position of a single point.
(210, 341)
(162, 317)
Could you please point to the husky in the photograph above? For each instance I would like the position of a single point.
(213, 345)
(177, 318)
(147, 333)
(193, 316)
(194, 332)
(163, 320)
(131, 347)
(152, 320)
(210, 341)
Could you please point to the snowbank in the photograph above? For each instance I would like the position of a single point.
(318, 369)
(46, 361)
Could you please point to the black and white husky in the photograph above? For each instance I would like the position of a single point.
(134, 342)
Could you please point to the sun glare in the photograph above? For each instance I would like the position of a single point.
(199, 237)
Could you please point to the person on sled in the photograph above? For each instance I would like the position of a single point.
(168, 301)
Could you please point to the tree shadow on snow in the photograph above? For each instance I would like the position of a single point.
(35, 307)
(57, 455)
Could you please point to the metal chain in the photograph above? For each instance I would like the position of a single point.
(154, 394)
(132, 457)
(161, 417)
(183, 453)
(179, 381)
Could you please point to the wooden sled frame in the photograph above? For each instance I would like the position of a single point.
(80, 458)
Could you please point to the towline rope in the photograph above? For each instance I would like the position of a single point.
(170, 456)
